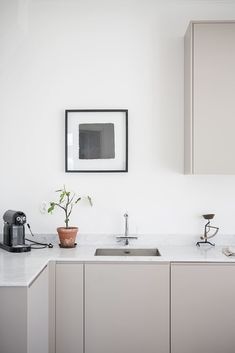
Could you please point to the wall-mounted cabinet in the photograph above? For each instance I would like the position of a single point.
(210, 98)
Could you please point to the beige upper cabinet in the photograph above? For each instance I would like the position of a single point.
(210, 98)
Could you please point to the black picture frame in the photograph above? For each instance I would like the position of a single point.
(71, 162)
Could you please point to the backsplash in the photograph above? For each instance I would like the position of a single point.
(116, 58)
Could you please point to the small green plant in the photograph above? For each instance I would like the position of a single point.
(67, 200)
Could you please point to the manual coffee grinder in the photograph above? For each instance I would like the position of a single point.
(207, 230)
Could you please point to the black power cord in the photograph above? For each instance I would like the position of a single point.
(38, 245)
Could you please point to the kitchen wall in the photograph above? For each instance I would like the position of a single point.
(74, 54)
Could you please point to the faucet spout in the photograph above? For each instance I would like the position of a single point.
(126, 236)
(126, 225)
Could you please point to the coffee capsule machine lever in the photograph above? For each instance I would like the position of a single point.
(14, 232)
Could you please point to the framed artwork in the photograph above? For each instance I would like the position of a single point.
(96, 141)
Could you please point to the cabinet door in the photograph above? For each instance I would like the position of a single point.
(127, 308)
(13, 320)
(38, 314)
(211, 49)
(202, 308)
(69, 308)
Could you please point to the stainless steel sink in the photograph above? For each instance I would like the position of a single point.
(127, 252)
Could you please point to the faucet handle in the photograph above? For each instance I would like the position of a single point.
(121, 237)
(125, 239)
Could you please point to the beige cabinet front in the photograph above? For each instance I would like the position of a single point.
(210, 98)
(69, 308)
(202, 308)
(38, 314)
(24, 326)
(127, 308)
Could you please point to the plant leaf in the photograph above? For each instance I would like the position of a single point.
(51, 208)
(78, 199)
(90, 200)
(62, 195)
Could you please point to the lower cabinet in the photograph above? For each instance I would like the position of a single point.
(24, 317)
(126, 308)
(142, 308)
(202, 308)
(38, 314)
(69, 308)
(122, 308)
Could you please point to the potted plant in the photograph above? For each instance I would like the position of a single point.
(66, 202)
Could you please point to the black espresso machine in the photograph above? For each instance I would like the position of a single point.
(14, 232)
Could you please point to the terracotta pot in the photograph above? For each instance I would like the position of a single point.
(67, 236)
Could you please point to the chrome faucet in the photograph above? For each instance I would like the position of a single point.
(126, 236)
(126, 224)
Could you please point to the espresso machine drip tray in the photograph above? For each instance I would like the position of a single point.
(16, 248)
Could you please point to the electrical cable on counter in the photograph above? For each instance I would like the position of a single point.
(38, 244)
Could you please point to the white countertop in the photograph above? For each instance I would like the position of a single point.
(20, 269)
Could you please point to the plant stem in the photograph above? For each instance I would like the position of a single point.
(66, 211)
(71, 208)
(57, 204)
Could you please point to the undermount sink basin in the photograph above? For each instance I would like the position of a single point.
(127, 252)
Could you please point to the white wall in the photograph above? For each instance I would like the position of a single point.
(68, 54)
